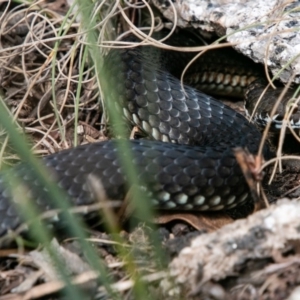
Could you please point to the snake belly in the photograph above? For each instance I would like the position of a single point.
(190, 165)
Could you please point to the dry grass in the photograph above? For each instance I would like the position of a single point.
(41, 56)
(49, 81)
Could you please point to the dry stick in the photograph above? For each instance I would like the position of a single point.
(267, 129)
(62, 105)
(275, 11)
(292, 130)
(24, 99)
(45, 99)
(134, 6)
(53, 214)
(130, 44)
(46, 134)
(281, 137)
(29, 129)
(55, 286)
(286, 118)
(273, 160)
(157, 43)
(65, 96)
(174, 21)
(64, 100)
(135, 29)
(5, 142)
(107, 18)
(285, 124)
(290, 191)
(152, 28)
(4, 12)
(54, 39)
(249, 165)
(31, 84)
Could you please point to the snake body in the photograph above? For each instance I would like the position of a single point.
(190, 166)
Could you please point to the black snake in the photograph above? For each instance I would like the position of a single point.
(190, 166)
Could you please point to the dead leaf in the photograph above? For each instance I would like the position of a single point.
(250, 166)
(200, 221)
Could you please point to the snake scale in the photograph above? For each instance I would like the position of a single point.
(190, 165)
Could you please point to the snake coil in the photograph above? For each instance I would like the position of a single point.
(190, 166)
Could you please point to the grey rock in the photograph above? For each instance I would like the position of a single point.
(265, 31)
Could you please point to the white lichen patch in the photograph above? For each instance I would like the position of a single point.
(220, 253)
(266, 31)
